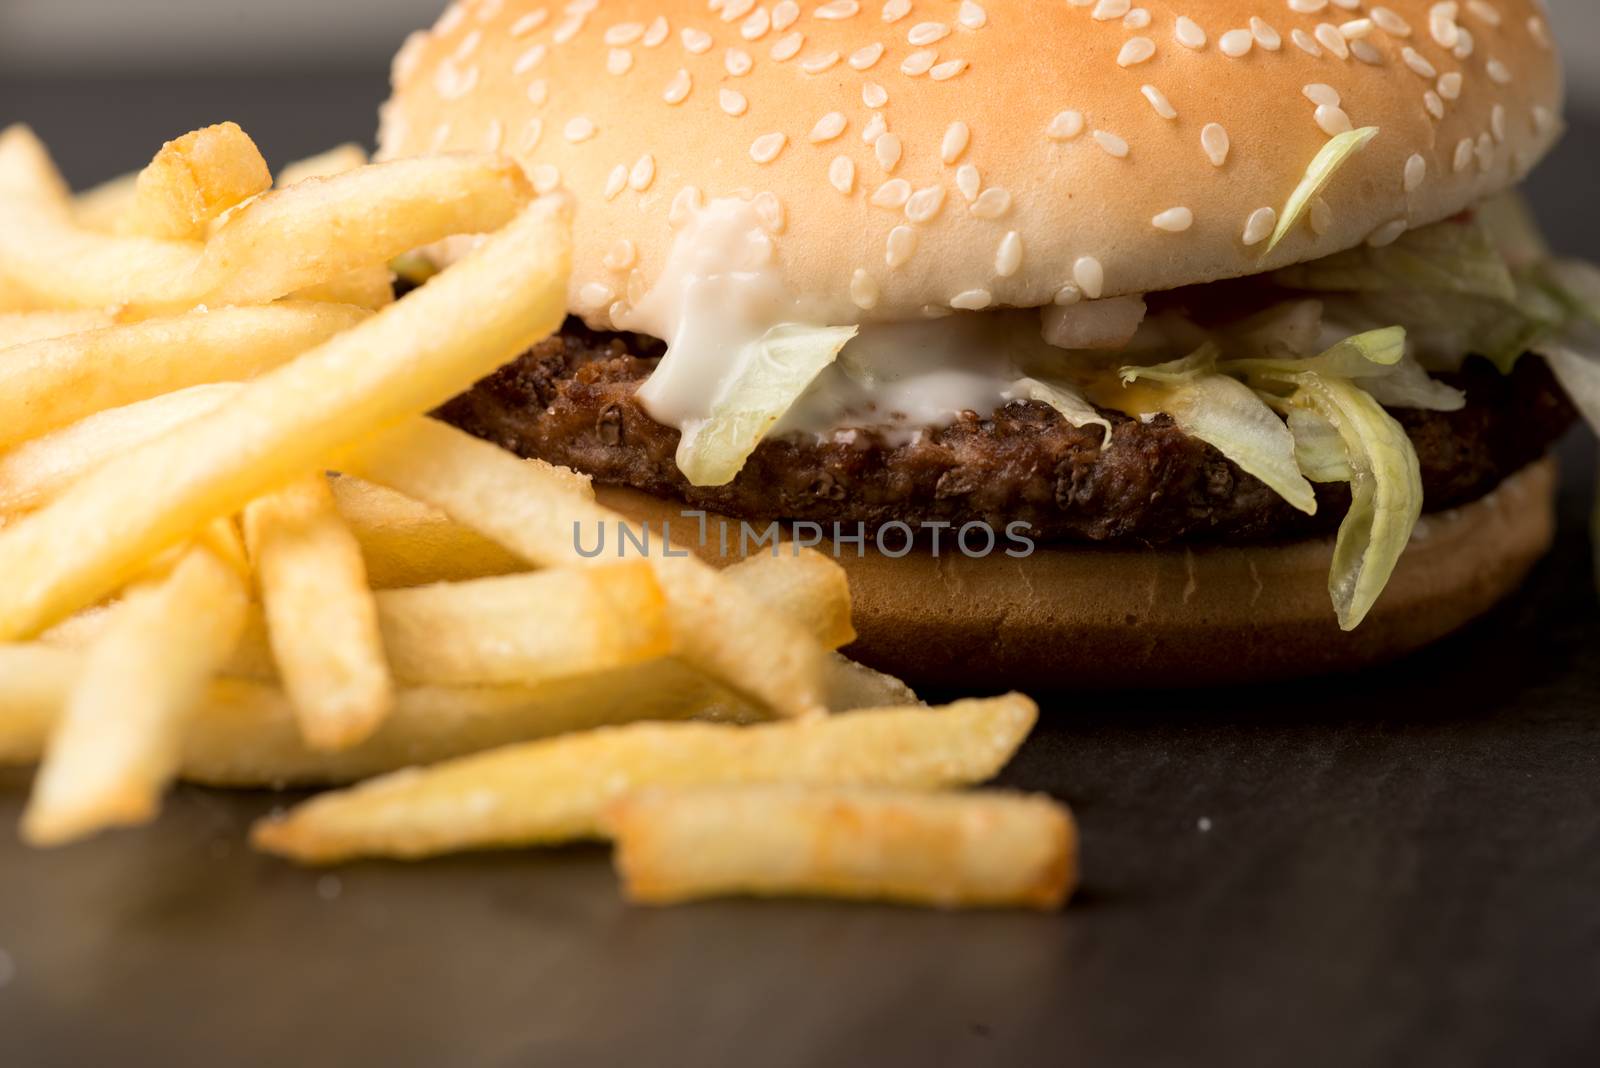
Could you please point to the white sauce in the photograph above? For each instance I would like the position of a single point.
(722, 289)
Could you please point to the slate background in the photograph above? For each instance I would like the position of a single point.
(1403, 868)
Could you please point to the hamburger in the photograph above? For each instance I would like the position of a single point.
(1167, 343)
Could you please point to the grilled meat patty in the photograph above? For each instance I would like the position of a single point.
(570, 400)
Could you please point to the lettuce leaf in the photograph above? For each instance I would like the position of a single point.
(1448, 257)
(774, 371)
(1385, 489)
(1065, 399)
(1229, 416)
(1318, 448)
(1327, 163)
(1579, 376)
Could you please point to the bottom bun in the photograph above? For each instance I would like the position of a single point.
(1076, 617)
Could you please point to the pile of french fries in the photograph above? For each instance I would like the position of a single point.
(234, 550)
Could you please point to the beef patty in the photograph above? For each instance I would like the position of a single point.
(570, 401)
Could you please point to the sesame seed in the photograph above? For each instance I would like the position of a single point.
(657, 33)
(924, 204)
(828, 127)
(863, 290)
(1307, 7)
(1174, 220)
(452, 82)
(1106, 10)
(621, 256)
(1008, 257)
(568, 29)
(1236, 43)
(1305, 42)
(1137, 19)
(1264, 34)
(1449, 85)
(1329, 37)
(842, 174)
(1433, 103)
(545, 178)
(837, 10)
(866, 57)
(1136, 50)
(1111, 143)
(1332, 120)
(737, 62)
(1498, 72)
(1068, 294)
(538, 91)
(1188, 33)
(733, 10)
(1416, 171)
(926, 33)
(874, 95)
(895, 10)
(624, 33)
(1259, 226)
(1065, 126)
(1158, 100)
(1390, 22)
(968, 181)
(756, 25)
(972, 300)
(874, 129)
(992, 203)
(616, 181)
(1539, 32)
(595, 295)
(972, 16)
(954, 142)
(788, 46)
(1366, 52)
(901, 246)
(469, 44)
(529, 59)
(494, 136)
(1356, 28)
(1418, 63)
(1442, 25)
(1215, 141)
(918, 63)
(678, 88)
(686, 203)
(578, 129)
(696, 41)
(732, 102)
(943, 72)
(529, 22)
(1320, 218)
(1090, 276)
(1387, 234)
(765, 148)
(531, 134)
(619, 61)
(770, 208)
(818, 64)
(1497, 122)
(1484, 12)
(1485, 152)
(888, 149)
(1322, 95)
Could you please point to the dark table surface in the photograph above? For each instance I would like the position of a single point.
(1400, 868)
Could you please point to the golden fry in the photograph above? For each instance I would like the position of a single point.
(22, 327)
(322, 620)
(529, 509)
(289, 422)
(336, 160)
(193, 180)
(116, 746)
(104, 207)
(557, 790)
(407, 543)
(952, 850)
(49, 384)
(27, 172)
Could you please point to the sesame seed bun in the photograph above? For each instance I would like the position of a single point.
(1070, 617)
(985, 152)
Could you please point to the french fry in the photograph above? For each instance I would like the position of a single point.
(26, 170)
(322, 620)
(529, 510)
(368, 287)
(105, 206)
(50, 384)
(289, 422)
(117, 744)
(35, 471)
(987, 849)
(408, 543)
(336, 160)
(280, 242)
(852, 685)
(194, 179)
(558, 790)
(248, 735)
(526, 629)
(22, 327)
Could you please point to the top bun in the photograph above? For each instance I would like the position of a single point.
(976, 153)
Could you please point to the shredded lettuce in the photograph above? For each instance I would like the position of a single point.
(774, 371)
(1448, 257)
(1228, 415)
(1065, 399)
(1318, 448)
(1385, 489)
(1327, 163)
(1201, 361)
(1579, 376)
(1510, 223)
